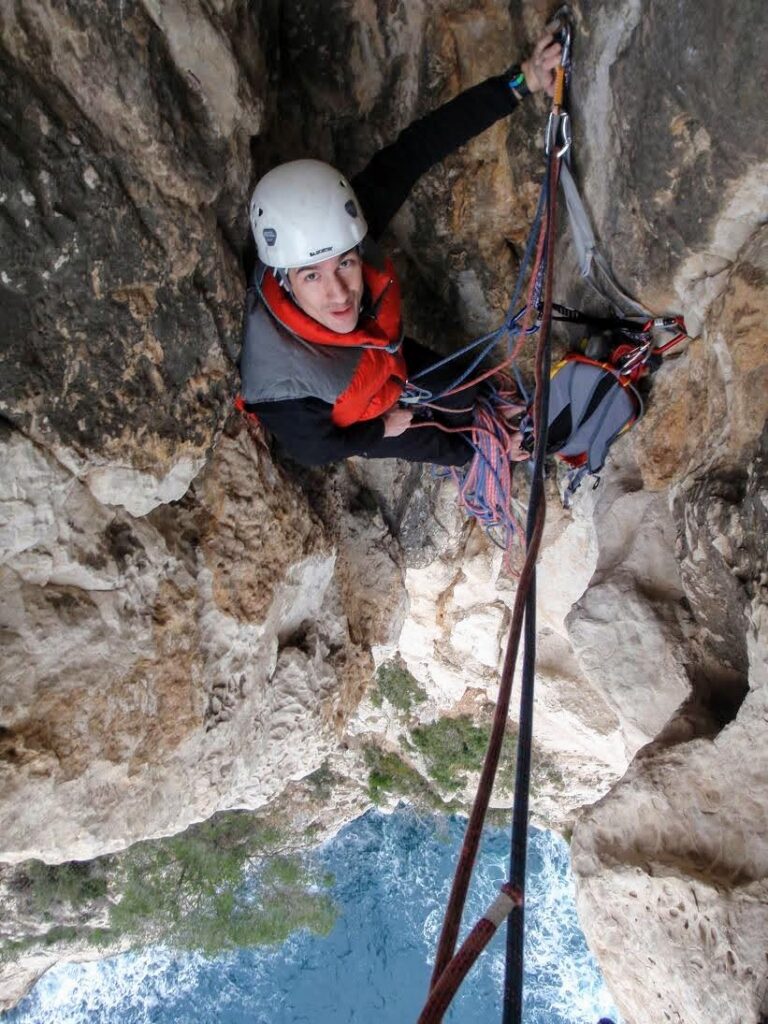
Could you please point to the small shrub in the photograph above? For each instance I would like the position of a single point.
(507, 769)
(451, 747)
(322, 781)
(395, 683)
(62, 933)
(389, 774)
(283, 871)
(75, 883)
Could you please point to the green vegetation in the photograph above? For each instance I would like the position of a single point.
(189, 890)
(75, 883)
(396, 684)
(61, 933)
(388, 774)
(507, 769)
(219, 885)
(322, 781)
(451, 747)
(546, 773)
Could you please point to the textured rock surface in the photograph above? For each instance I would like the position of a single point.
(672, 863)
(151, 664)
(124, 163)
(675, 181)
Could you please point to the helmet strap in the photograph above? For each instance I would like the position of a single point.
(281, 276)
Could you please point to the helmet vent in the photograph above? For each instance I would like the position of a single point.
(350, 207)
(270, 236)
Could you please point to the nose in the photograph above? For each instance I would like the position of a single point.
(337, 289)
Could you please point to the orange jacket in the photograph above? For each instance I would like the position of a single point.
(376, 382)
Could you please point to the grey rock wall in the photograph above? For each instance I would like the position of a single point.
(666, 108)
(669, 864)
(125, 162)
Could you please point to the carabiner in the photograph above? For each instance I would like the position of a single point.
(563, 19)
(565, 135)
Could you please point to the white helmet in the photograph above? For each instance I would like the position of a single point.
(304, 212)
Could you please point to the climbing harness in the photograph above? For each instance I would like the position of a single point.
(595, 398)
(500, 435)
(591, 404)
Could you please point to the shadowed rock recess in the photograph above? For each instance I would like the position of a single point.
(189, 626)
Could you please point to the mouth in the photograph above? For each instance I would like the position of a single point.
(344, 311)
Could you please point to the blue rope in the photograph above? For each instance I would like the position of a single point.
(455, 355)
(528, 252)
(471, 368)
(520, 386)
(511, 319)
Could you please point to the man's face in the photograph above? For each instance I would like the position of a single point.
(330, 291)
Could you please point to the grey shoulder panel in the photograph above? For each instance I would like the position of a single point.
(276, 365)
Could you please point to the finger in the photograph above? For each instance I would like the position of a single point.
(550, 54)
(542, 44)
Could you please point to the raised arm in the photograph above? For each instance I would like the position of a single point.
(384, 184)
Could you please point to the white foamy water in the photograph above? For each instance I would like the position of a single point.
(392, 877)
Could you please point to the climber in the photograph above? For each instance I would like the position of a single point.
(324, 361)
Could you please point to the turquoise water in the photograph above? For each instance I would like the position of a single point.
(392, 876)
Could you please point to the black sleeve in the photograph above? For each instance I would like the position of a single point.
(305, 431)
(384, 184)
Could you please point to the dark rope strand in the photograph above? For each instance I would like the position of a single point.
(513, 973)
(513, 976)
(454, 910)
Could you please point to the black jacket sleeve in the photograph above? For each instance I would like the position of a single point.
(383, 186)
(305, 431)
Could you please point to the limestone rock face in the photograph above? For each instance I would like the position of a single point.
(671, 864)
(125, 147)
(150, 664)
(188, 625)
(676, 183)
(668, 871)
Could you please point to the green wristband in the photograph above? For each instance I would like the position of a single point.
(517, 83)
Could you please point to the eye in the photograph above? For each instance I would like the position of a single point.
(312, 276)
